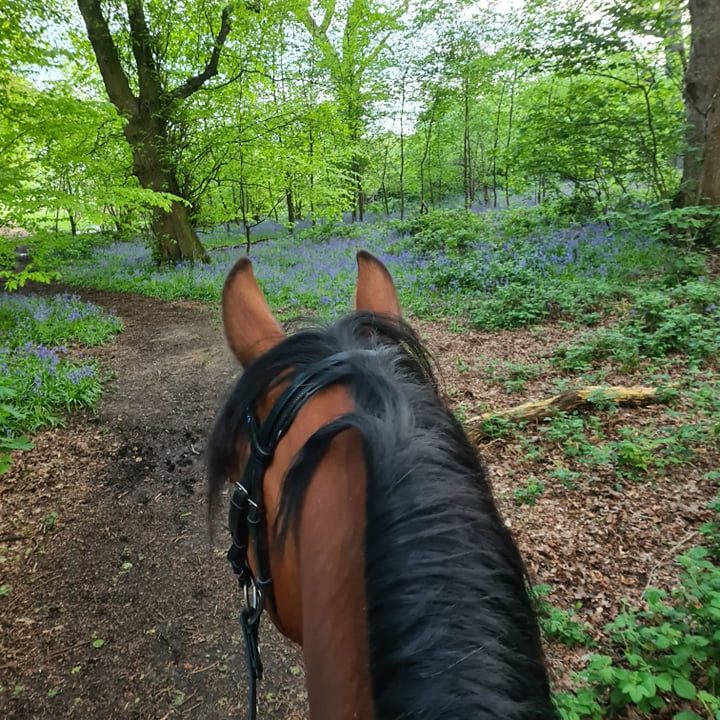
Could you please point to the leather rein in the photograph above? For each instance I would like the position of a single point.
(247, 515)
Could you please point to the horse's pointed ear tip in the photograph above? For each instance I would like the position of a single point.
(363, 256)
(242, 266)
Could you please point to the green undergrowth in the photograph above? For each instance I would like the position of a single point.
(664, 654)
(582, 446)
(520, 267)
(681, 322)
(494, 270)
(43, 370)
(558, 625)
(659, 658)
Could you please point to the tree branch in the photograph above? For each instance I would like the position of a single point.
(537, 410)
(193, 84)
(327, 18)
(142, 50)
(113, 75)
(318, 33)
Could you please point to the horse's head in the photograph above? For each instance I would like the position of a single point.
(252, 331)
(250, 326)
(363, 515)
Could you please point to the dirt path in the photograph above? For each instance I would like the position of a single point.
(129, 561)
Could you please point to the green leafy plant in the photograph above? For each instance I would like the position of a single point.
(683, 321)
(513, 377)
(559, 625)
(530, 492)
(49, 522)
(667, 654)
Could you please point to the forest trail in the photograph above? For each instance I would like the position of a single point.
(130, 561)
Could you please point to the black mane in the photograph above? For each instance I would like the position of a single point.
(452, 631)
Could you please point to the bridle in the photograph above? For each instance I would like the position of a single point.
(247, 515)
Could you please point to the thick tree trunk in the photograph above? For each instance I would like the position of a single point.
(701, 168)
(175, 235)
(147, 115)
(172, 229)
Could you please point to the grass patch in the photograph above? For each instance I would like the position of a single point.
(41, 378)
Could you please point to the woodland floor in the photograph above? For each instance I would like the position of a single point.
(130, 561)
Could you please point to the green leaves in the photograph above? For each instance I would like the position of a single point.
(667, 654)
(559, 625)
(684, 688)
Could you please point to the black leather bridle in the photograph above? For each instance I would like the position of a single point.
(247, 515)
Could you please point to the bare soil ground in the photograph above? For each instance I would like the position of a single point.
(122, 606)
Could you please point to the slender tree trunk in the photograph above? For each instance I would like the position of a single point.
(509, 136)
(701, 167)
(402, 146)
(73, 222)
(382, 182)
(495, 145)
(290, 205)
(244, 207)
(426, 151)
(467, 160)
(311, 152)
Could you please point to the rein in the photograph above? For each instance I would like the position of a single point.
(247, 515)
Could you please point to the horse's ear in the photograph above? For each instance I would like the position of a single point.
(250, 326)
(375, 290)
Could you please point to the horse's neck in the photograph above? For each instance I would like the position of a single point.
(334, 609)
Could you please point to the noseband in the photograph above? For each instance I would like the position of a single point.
(247, 514)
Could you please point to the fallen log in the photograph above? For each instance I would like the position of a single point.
(588, 396)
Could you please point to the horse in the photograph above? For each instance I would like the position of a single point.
(363, 519)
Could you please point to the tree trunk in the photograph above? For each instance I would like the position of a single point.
(701, 167)
(402, 148)
(175, 237)
(426, 150)
(467, 166)
(147, 115)
(290, 206)
(509, 137)
(247, 239)
(383, 188)
(496, 138)
(73, 222)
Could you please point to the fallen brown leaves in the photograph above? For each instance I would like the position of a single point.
(598, 544)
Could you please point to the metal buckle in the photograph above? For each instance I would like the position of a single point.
(240, 486)
(254, 601)
(246, 595)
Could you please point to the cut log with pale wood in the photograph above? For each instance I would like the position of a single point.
(588, 396)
